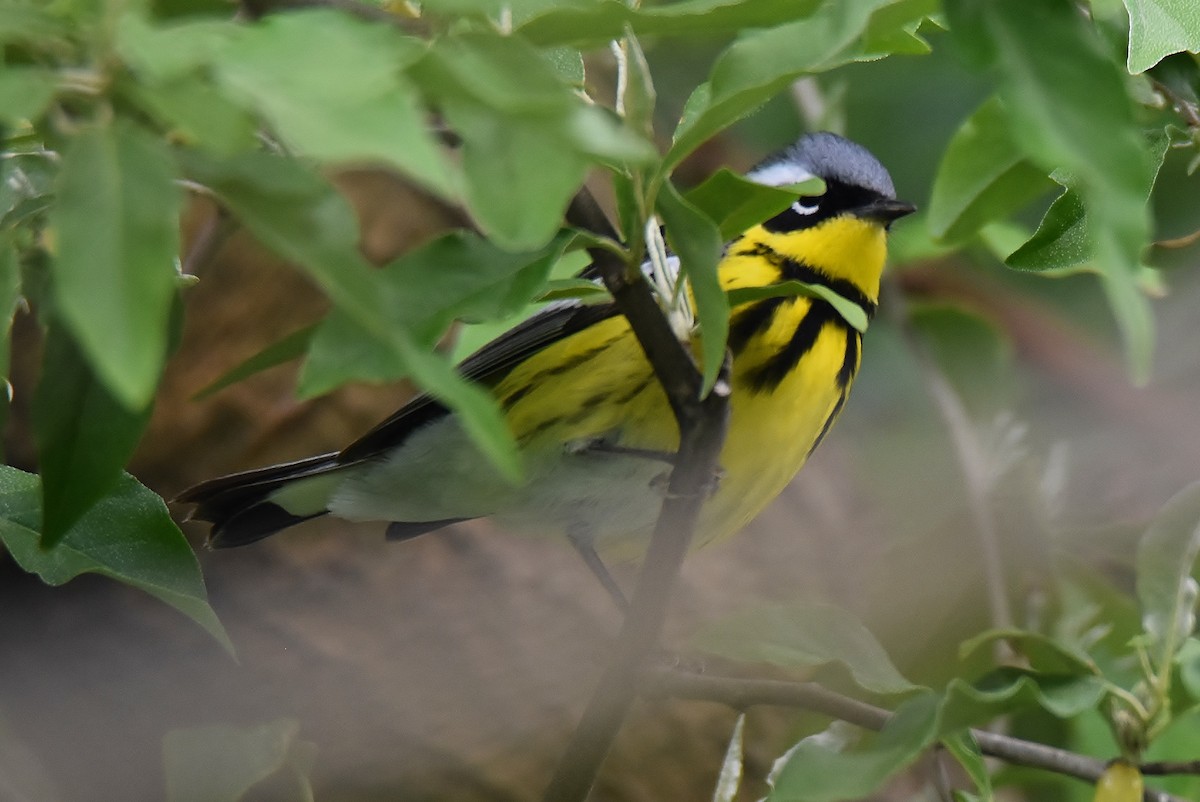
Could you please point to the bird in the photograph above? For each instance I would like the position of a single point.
(593, 426)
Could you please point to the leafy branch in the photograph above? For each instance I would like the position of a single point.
(741, 694)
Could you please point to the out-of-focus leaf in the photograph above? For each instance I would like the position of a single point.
(128, 536)
(353, 108)
(456, 277)
(697, 241)
(25, 92)
(300, 217)
(1189, 667)
(503, 73)
(596, 23)
(821, 769)
(31, 23)
(1070, 111)
(199, 113)
(1009, 689)
(163, 53)
(983, 176)
(1045, 654)
(1166, 561)
(85, 435)
(293, 346)
(520, 174)
(966, 751)
(1158, 28)
(806, 635)
(762, 63)
(736, 203)
(116, 220)
(221, 762)
(730, 778)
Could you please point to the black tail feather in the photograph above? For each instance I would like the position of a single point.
(237, 507)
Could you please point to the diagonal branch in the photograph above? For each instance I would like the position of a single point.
(702, 424)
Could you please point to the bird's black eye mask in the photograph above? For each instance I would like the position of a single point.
(811, 210)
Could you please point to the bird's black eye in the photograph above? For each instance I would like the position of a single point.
(807, 204)
(805, 212)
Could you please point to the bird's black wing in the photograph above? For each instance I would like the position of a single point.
(487, 365)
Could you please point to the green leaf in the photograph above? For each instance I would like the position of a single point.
(804, 635)
(983, 176)
(851, 312)
(1189, 668)
(592, 24)
(1070, 111)
(85, 435)
(965, 749)
(521, 174)
(293, 346)
(502, 73)
(1063, 238)
(457, 277)
(117, 226)
(762, 63)
(1166, 562)
(25, 92)
(1045, 654)
(636, 105)
(300, 217)
(31, 24)
(353, 108)
(128, 536)
(199, 113)
(697, 241)
(1158, 28)
(165, 53)
(1007, 690)
(736, 203)
(730, 778)
(821, 769)
(221, 762)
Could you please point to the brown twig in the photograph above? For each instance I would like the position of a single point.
(701, 434)
(740, 694)
(213, 233)
(1163, 768)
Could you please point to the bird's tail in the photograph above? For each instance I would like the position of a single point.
(249, 506)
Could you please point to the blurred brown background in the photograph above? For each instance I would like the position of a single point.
(454, 666)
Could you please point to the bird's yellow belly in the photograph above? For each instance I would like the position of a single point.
(771, 435)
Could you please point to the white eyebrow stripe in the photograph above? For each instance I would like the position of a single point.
(780, 174)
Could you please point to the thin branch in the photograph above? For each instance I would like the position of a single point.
(702, 424)
(214, 232)
(1163, 768)
(740, 694)
(1185, 108)
(974, 464)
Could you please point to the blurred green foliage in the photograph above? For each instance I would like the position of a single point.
(112, 113)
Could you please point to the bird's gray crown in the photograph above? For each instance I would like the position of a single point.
(829, 157)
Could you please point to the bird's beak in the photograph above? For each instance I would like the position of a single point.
(885, 210)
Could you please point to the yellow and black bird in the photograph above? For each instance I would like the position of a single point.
(593, 425)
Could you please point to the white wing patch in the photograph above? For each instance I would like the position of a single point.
(780, 174)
